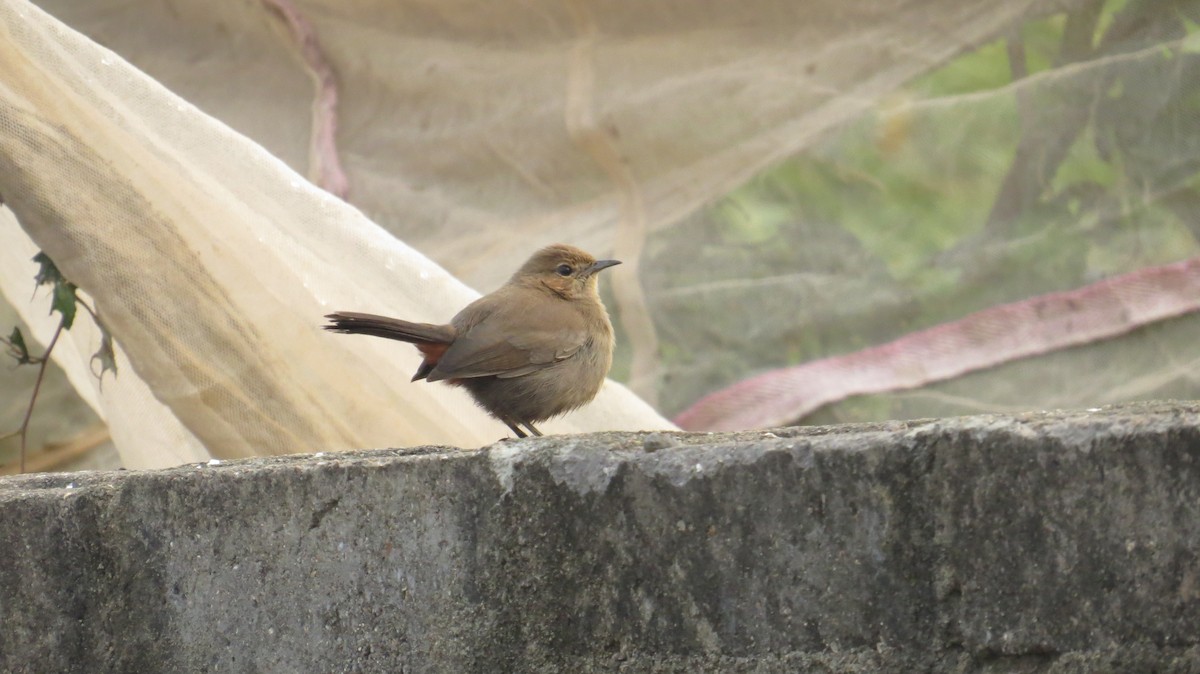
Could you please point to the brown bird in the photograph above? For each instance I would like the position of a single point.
(537, 347)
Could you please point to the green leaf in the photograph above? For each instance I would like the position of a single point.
(49, 272)
(17, 348)
(106, 356)
(64, 290)
(64, 302)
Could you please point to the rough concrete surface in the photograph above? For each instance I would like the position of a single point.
(1050, 542)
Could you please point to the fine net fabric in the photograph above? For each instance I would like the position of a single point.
(789, 184)
(211, 263)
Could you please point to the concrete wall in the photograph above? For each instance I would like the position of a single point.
(1041, 543)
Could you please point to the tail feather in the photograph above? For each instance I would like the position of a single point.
(354, 323)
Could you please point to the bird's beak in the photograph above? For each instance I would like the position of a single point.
(599, 265)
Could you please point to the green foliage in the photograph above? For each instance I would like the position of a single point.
(16, 348)
(65, 300)
(105, 356)
(63, 294)
(1089, 159)
(1063, 153)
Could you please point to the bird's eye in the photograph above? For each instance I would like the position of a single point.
(563, 270)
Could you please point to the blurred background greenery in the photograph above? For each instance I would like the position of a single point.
(1049, 159)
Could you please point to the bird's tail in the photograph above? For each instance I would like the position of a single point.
(354, 323)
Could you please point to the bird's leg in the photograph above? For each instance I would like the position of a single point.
(532, 429)
(520, 433)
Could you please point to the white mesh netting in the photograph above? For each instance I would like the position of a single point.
(860, 202)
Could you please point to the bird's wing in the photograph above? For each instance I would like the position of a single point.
(507, 342)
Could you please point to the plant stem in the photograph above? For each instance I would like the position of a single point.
(37, 387)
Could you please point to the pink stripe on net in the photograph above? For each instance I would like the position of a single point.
(323, 150)
(980, 340)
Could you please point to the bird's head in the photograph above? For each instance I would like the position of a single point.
(564, 270)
